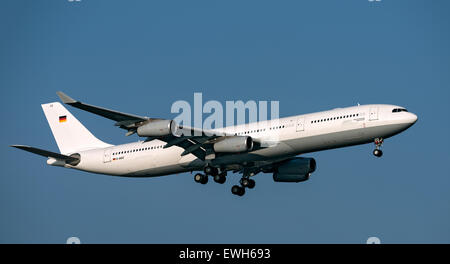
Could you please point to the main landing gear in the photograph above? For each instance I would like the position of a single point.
(377, 151)
(219, 177)
(245, 182)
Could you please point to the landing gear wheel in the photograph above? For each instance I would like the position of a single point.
(205, 179)
(251, 183)
(198, 177)
(220, 178)
(378, 153)
(238, 190)
(201, 178)
(245, 182)
(211, 170)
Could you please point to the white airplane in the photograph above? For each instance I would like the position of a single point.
(266, 146)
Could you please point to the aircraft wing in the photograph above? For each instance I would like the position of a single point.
(123, 120)
(193, 140)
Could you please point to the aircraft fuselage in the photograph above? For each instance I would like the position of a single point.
(279, 139)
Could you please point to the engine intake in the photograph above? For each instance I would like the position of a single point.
(157, 128)
(295, 170)
(234, 144)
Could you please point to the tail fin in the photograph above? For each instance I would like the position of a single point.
(69, 133)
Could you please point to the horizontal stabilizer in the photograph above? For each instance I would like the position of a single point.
(48, 154)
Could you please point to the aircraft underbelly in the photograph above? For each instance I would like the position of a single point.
(344, 138)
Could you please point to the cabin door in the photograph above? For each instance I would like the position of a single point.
(107, 155)
(373, 113)
(300, 124)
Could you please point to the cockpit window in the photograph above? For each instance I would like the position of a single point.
(396, 110)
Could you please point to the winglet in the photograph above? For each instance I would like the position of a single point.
(65, 98)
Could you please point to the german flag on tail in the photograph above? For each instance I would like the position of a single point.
(62, 119)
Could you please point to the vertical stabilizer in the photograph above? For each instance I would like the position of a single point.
(70, 135)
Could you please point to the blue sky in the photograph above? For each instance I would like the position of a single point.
(141, 56)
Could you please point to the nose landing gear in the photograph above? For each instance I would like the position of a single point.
(377, 151)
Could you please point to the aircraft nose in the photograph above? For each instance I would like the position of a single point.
(412, 118)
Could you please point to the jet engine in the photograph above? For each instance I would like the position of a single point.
(234, 144)
(157, 128)
(295, 170)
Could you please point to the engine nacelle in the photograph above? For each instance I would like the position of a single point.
(295, 170)
(157, 128)
(234, 144)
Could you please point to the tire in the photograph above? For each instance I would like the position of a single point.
(211, 170)
(378, 153)
(251, 184)
(204, 179)
(241, 191)
(245, 182)
(198, 177)
(207, 169)
(237, 190)
(219, 179)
